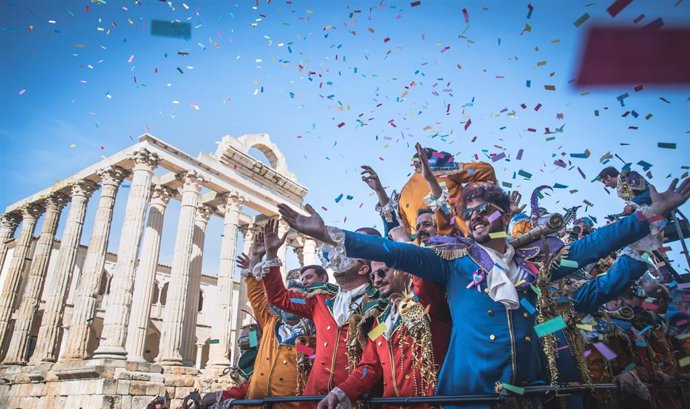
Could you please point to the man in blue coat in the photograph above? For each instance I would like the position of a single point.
(493, 338)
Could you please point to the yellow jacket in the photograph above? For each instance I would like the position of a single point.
(275, 368)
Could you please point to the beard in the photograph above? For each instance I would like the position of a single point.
(483, 236)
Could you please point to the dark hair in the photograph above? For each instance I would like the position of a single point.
(608, 171)
(424, 210)
(369, 231)
(297, 285)
(489, 192)
(320, 271)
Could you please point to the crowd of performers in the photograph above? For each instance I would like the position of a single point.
(466, 294)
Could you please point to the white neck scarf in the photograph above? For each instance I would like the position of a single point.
(343, 304)
(502, 278)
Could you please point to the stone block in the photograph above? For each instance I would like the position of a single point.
(110, 386)
(182, 392)
(189, 381)
(141, 401)
(126, 402)
(137, 388)
(122, 388)
(155, 389)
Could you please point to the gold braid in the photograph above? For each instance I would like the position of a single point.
(415, 320)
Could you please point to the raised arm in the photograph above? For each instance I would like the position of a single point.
(277, 294)
(415, 260)
(606, 287)
(255, 290)
(384, 207)
(628, 230)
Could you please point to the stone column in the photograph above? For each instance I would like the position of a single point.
(90, 280)
(17, 351)
(146, 275)
(199, 354)
(49, 334)
(116, 318)
(219, 352)
(238, 315)
(203, 213)
(8, 297)
(8, 225)
(309, 252)
(177, 301)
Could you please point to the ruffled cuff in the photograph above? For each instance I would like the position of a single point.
(335, 257)
(344, 401)
(435, 203)
(261, 270)
(654, 239)
(387, 212)
(245, 272)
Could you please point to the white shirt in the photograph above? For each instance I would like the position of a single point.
(343, 306)
(503, 276)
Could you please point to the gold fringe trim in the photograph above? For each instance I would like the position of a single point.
(450, 254)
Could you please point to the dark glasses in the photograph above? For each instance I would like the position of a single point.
(481, 210)
(381, 273)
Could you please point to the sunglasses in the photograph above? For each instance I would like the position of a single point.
(481, 210)
(380, 273)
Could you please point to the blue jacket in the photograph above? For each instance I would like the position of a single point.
(489, 343)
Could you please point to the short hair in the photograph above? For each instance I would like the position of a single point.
(424, 210)
(369, 231)
(297, 285)
(490, 193)
(320, 271)
(608, 171)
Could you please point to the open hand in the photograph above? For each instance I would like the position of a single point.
(258, 248)
(371, 178)
(424, 162)
(242, 261)
(311, 225)
(664, 202)
(515, 198)
(272, 241)
(329, 402)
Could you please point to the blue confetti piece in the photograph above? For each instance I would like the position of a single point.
(298, 301)
(364, 373)
(526, 305)
(171, 29)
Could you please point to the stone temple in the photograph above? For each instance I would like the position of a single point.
(81, 327)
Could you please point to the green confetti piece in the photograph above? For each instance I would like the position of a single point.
(515, 389)
(536, 290)
(581, 20)
(630, 367)
(253, 340)
(213, 341)
(524, 174)
(507, 184)
(550, 326)
(569, 263)
(666, 145)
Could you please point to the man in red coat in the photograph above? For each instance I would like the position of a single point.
(335, 311)
(399, 350)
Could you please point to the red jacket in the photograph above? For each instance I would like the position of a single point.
(331, 362)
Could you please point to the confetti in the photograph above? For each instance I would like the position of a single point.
(22, 92)
(415, 3)
(304, 349)
(467, 16)
(666, 145)
(527, 306)
(376, 332)
(582, 19)
(253, 340)
(298, 301)
(171, 29)
(617, 6)
(530, 9)
(550, 326)
(519, 390)
(496, 215)
(498, 235)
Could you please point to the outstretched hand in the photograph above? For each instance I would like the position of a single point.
(272, 241)
(515, 198)
(243, 261)
(371, 178)
(427, 174)
(664, 202)
(311, 225)
(258, 248)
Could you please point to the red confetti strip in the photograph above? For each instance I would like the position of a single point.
(536, 108)
(617, 7)
(340, 125)
(467, 16)
(415, 3)
(468, 123)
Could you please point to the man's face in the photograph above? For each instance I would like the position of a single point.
(388, 280)
(309, 277)
(425, 228)
(610, 182)
(479, 225)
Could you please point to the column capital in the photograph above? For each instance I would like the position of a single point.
(233, 201)
(191, 180)
(249, 228)
(32, 211)
(56, 202)
(112, 175)
(161, 195)
(10, 221)
(84, 188)
(203, 212)
(144, 159)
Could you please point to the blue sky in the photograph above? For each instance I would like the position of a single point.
(78, 84)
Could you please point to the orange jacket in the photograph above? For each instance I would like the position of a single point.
(413, 193)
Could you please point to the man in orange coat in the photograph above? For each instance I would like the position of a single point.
(451, 177)
(335, 310)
